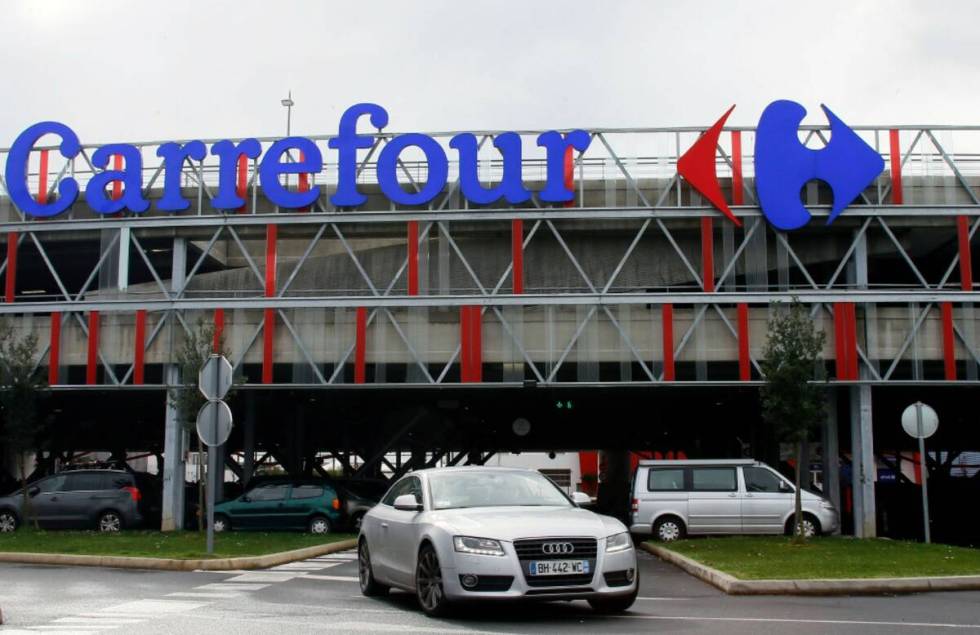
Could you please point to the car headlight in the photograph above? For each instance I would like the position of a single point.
(478, 546)
(619, 542)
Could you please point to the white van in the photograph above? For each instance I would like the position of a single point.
(674, 498)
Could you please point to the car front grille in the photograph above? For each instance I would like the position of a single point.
(531, 549)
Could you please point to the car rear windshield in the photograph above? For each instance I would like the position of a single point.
(453, 490)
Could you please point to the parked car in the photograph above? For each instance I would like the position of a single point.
(357, 497)
(480, 533)
(672, 499)
(310, 505)
(107, 500)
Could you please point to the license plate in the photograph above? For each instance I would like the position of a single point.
(559, 567)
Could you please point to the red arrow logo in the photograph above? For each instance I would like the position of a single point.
(697, 166)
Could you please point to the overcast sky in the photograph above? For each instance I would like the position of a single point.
(129, 71)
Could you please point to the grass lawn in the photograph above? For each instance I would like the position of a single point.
(156, 544)
(776, 557)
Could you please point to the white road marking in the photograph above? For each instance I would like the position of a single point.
(223, 586)
(94, 621)
(205, 595)
(786, 620)
(153, 607)
(264, 576)
(332, 578)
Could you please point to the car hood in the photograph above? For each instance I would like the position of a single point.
(511, 523)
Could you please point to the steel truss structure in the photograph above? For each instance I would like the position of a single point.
(638, 282)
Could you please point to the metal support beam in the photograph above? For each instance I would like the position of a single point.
(174, 442)
(831, 453)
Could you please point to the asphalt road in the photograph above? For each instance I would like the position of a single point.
(321, 595)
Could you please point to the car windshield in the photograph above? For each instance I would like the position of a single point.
(453, 490)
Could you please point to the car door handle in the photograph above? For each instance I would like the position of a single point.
(748, 496)
(733, 495)
(384, 525)
(53, 499)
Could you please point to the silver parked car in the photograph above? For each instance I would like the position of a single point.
(674, 498)
(470, 533)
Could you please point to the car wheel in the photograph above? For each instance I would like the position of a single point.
(669, 529)
(110, 522)
(810, 526)
(617, 604)
(428, 583)
(8, 522)
(365, 574)
(319, 525)
(221, 523)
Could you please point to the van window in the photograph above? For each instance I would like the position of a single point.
(307, 491)
(759, 479)
(666, 480)
(83, 482)
(270, 492)
(713, 479)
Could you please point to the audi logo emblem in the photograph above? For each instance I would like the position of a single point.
(556, 548)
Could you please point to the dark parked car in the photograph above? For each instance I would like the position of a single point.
(107, 500)
(310, 505)
(357, 498)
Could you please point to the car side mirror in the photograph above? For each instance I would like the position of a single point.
(581, 498)
(785, 488)
(34, 491)
(407, 503)
(246, 499)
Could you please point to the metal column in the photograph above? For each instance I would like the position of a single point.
(831, 453)
(172, 508)
(863, 472)
(175, 441)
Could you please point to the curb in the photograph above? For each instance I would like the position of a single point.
(844, 586)
(172, 564)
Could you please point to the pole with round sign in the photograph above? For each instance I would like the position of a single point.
(214, 424)
(921, 421)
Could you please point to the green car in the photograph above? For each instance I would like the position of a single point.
(310, 506)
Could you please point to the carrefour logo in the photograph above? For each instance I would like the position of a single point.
(783, 165)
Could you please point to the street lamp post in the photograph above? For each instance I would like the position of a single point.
(288, 103)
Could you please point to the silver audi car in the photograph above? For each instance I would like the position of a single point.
(479, 533)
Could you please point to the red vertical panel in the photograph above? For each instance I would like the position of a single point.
(360, 345)
(949, 350)
(895, 151)
(464, 344)
(744, 364)
(271, 236)
(966, 258)
(304, 181)
(54, 350)
(268, 337)
(570, 175)
(117, 164)
(413, 257)
(667, 317)
(139, 346)
(850, 340)
(517, 254)
(219, 327)
(707, 254)
(840, 355)
(738, 193)
(269, 323)
(92, 364)
(10, 289)
(42, 179)
(242, 186)
(476, 343)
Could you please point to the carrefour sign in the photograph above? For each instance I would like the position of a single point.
(782, 166)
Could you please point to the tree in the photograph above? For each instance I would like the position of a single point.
(185, 398)
(791, 403)
(20, 383)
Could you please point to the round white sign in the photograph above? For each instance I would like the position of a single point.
(930, 421)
